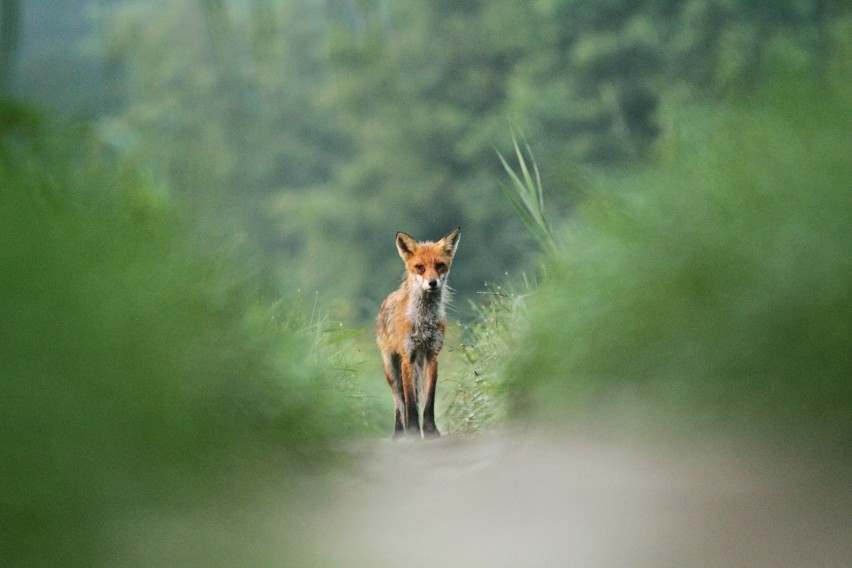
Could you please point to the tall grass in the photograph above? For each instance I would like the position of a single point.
(339, 351)
(476, 397)
(527, 194)
(139, 376)
(712, 292)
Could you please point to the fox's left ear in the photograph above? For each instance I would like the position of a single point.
(451, 241)
(406, 245)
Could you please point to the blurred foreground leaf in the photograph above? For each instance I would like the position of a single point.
(712, 293)
(138, 377)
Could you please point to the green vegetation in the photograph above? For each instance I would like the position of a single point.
(473, 385)
(197, 209)
(137, 375)
(712, 293)
(319, 129)
(527, 195)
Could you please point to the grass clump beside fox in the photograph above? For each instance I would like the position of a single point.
(708, 294)
(712, 292)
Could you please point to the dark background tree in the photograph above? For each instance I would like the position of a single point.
(10, 29)
(316, 130)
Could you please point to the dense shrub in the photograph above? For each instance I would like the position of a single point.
(138, 372)
(715, 290)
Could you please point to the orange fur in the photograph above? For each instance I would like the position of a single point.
(410, 331)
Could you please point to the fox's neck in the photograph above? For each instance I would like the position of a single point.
(427, 307)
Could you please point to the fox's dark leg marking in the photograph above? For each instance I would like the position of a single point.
(409, 393)
(430, 430)
(393, 374)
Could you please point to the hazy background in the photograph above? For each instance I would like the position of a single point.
(316, 130)
(197, 208)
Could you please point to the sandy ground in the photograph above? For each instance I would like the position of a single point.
(517, 500)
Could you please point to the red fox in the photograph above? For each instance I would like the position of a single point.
(410, 331)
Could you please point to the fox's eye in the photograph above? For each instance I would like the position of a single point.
(420, 268)
(440, 267)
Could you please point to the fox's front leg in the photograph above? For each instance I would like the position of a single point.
(431, 376)
(391, 364)
(409, 393)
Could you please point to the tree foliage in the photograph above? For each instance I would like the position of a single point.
(327, 127)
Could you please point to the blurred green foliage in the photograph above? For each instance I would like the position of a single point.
(320, 129)
(712, 292)
(474, 395)
(138, 374)
(150, 375)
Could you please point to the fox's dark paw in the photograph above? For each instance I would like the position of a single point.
(431, 433)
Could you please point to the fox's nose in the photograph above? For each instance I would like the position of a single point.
(433, 283)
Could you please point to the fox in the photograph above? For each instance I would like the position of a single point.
(410, 332)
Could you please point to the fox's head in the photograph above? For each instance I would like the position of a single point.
(428, 263)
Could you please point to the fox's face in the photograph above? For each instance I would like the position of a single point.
(428, 263)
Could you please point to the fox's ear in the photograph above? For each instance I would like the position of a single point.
(451, 241)
(406, 245)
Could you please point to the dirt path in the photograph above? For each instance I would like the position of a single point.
(502, 500)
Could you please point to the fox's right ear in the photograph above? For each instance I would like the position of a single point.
(451, 241)
(406, 245)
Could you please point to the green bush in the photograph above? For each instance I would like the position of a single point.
(138, 373)
(714, 291)
(474, 395)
